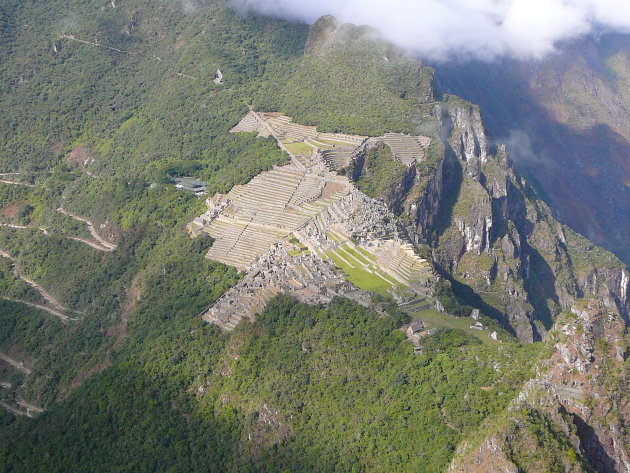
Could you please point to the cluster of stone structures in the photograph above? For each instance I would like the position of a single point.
(288, 227)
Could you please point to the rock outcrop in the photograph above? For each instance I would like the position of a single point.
(578, 404)
(494, 238)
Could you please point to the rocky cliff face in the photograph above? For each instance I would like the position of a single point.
(574, 416)
(567, 114)
(494, 238)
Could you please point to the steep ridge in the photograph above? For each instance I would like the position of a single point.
(494, 239)
(566, 118)
(575, 415)
(525, 263)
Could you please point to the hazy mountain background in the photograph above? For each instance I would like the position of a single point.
(566, 120)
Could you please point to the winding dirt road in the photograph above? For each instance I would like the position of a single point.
(90, 225)
(54, 302)
(19, 365)
(13, 410)
(16, 183)
(63, 317)
(93, 244)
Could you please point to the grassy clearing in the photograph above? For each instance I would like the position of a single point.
(436, 319)
(360, 256)
(332, 143)
(365, 253)
(333, 236)
(350, 254)
(361, 278)
(298, 148)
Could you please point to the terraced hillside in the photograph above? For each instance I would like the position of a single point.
(273, 204)
(305, 203)
(300, 141)
(406, 149)
(336, 150)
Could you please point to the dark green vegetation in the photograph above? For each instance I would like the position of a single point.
(303, 389)
(351, 80)
(380, 171)
(98, 131)
(540, 445)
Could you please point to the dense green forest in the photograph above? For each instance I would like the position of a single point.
(305, 388)
(380, 171)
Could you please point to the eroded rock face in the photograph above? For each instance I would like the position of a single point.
(583, 386)
(492, 234)
(581, 393)
(469, 141)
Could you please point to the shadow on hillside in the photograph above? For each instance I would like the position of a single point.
(579, 173)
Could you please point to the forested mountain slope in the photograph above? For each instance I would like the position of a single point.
(104, 102)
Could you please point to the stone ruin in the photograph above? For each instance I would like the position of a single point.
(218, 77)
(288, 226)
(335, 150)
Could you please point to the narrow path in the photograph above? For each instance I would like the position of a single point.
(54, 302)
(13, 410)
(16, 183)
(130, 53)
(11, 225)
(19, 365)
(72, 38)
(445, 417)
(28, 406)
(181, 74)
(61, 316)
(23, 227)
(91, 228)
(93, 244)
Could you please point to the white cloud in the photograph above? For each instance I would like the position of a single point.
(484, 29)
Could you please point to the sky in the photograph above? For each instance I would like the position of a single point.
(441, 30)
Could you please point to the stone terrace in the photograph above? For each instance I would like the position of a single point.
(333, 149)
(250, 218)
(305, 144)
(406, 149)
(256, 225)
